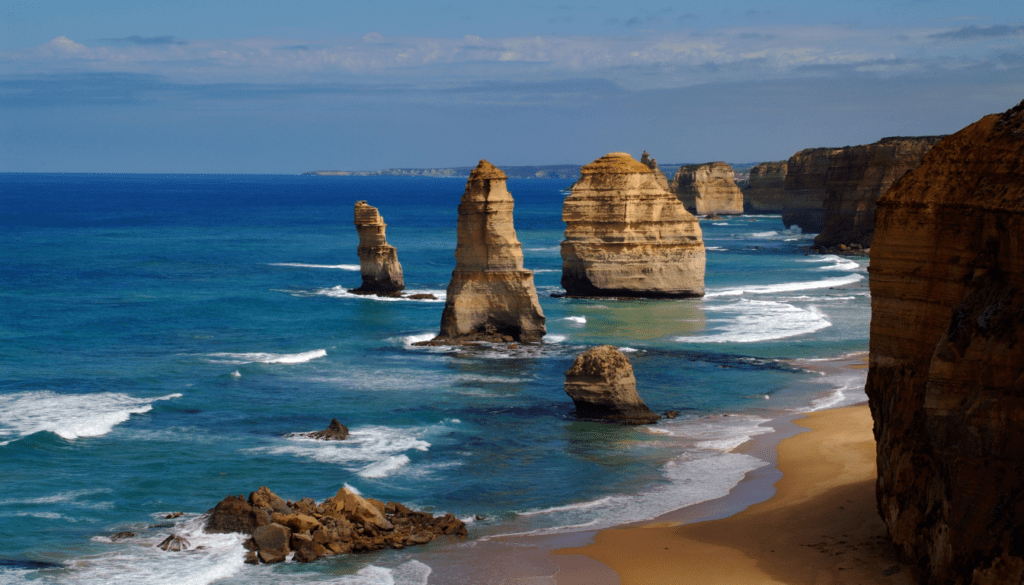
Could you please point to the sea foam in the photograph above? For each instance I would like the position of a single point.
(750, 321)
(267, 358)
(70, 416)
(786, 286)
(350, 267)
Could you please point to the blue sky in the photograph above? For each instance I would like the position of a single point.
(283, 87)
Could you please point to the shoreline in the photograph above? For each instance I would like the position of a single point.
(820, 526)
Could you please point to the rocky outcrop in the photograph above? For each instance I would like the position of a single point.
(344, 523)
(491, 297)
(652, 163)
(601, 384)
(378, 261)
(626, 236)
(857, 176)
(708, 189)
(804, 191)
(765, 192)
(946, 377)
(334, 432)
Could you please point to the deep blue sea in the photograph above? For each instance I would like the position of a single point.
(163, 338)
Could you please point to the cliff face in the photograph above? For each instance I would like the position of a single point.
(804, 190)
(627, 236)
(378, 261)
(857, 176)
(490, 295)
(946, 378)
(708, 188)
(766, 188)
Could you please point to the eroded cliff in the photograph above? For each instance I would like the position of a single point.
(765, 192)
(378, 261)
(857, 176)
(946, 378)
(804, 190)
(491, 297)
(626, 236)
(709, 188)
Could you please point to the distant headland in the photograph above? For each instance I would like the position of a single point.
(521, 172)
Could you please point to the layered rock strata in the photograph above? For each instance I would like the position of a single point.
(804, 190)
(946, 377)
(601, 384)
(491, 297)
(344, 523)
(708, 189)
(765, 192)
(857, 176)
(626, 236)
(652, 163)
(378, 261)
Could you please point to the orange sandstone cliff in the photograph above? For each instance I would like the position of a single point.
(708, 188)
(765, 192)
(946, 377)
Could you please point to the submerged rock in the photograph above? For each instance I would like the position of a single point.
(334, 432)
(491, 297)
(627, 236)
(708, 189)
(946, 375)
(343, 523)
(378, 261)
(601, 384)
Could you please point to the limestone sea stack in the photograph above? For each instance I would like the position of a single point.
(857, 176)
(708, 189)
(765, 192)
(601, 384)
(946, 377)
(378, 261)
(626, 236)
(491, 297)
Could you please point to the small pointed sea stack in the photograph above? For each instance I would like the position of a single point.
(626, 236)
(602, 385)
(708, 189)
(491, 297)
(652, 163)
(378, 261)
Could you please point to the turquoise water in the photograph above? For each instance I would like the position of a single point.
(163, 337)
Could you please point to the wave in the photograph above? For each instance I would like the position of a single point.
(764, 234)
(411, 339)
(574, 319)
(351, 267)
(837, 263)
(750, 321)
(721, 223)
(267, 358)
(716, 249)
(70, 416)
(541, 270)
(580, 506)
(341, 292)
(787, 286)
(553, 338)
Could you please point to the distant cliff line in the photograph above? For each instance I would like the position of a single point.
(522, 172)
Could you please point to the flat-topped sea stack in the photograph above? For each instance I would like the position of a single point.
(765, 192)
(857, 176)
(601, 384)
(491, 297)
(946, 377)
(708, 189)
(378, 261)
(626, 236)
(652, 163)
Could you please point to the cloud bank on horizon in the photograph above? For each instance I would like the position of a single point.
(740, 91)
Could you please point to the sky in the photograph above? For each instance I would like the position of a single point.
(267, 86)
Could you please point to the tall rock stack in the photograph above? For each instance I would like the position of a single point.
(378, 261)
(946, 377)
(626, 236)
(491, 297)
(652, 163)
(857, 176)
(765, 192)
(804, 191)
(708, 189)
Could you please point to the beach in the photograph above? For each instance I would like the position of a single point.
(821, 526)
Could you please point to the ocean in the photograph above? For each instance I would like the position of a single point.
(165, 338)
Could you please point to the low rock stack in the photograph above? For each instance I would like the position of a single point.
(601, 384)
(626, 236)
(491, 297)
(345, 523)
(378, 261)
(708, 189)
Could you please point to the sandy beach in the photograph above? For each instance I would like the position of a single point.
(820, 527)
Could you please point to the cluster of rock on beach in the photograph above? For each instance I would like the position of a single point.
(305, 531)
